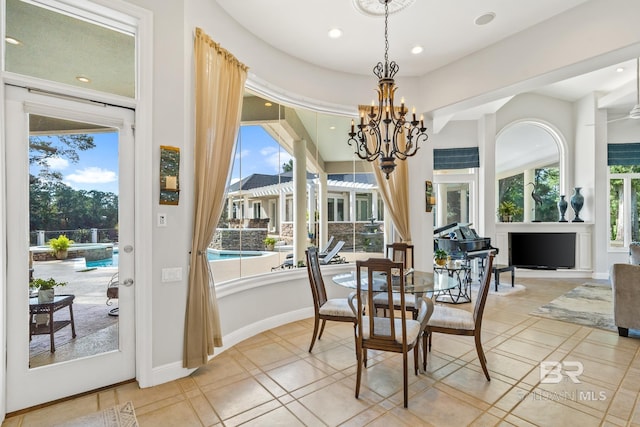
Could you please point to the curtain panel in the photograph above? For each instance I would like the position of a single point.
(219, 86)
(623, 154)
(395, 190)
(456, 158)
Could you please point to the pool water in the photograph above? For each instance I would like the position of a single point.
(212, 255)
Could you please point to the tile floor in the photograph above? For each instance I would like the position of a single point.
(271, 379)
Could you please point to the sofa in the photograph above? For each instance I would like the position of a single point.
(625, 283)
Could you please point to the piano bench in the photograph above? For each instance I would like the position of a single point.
(502, 268)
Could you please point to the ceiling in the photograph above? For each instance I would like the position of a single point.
(445, 29)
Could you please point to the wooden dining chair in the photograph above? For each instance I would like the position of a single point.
(455, 321)
(399, 252)
(336, 309)
(393, 333)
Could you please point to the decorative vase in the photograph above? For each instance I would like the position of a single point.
(577, 201)
(45, 295)
(62, 254)
(562, 208)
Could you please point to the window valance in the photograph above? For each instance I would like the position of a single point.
(456, 158)
(623, 154)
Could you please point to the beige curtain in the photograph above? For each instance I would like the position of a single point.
(395, 190)
(220, 79)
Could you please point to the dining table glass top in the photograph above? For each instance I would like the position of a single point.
(416, 282)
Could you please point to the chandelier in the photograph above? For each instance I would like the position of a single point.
(385, 133)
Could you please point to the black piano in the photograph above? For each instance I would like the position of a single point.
(461, 241)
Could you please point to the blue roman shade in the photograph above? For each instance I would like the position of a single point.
(456, 158)
(623, 154)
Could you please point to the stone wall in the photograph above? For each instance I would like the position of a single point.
(344, 231)
(248, 223)
(238, 239)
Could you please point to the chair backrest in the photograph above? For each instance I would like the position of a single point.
(483, 292)
(333, 252)
(315, 278)
(401, 252)
(374, 276)
(325, 250)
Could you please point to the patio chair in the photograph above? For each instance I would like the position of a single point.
(322, 252)
(333, 257)
(112, 293)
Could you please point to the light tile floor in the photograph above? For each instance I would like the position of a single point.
(271, 379)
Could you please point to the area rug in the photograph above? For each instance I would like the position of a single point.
(587, 305)
(117, 416)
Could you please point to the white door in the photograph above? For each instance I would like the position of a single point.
(103, 350)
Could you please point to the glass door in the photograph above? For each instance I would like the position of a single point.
(70, 225)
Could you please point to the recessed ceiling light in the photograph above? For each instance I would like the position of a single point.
(619, 69)
(335, 33)
(485, 19)
(83, 79)
(268, 104)
(12, 40)
(417, 49)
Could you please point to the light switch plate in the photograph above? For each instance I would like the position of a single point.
(162, 220)
(172, 274)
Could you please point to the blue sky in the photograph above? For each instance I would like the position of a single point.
(97, 169)
(258, 152)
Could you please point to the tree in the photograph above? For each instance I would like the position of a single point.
(287, 167)
(47, 147)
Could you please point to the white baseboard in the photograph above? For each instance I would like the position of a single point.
(175, 370)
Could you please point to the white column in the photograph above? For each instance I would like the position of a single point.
(374, 205)
(311, 206)
(464, 206)
(282, 208)
(441, 205)
(529, 206)
(322, 209)
(299, 199)
(352, 206)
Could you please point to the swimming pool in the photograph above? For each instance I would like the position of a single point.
(212, 255)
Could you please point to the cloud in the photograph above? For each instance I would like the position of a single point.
(274, 158)
(92, 175)
(58, 163)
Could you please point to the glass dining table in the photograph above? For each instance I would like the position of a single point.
(418, 283)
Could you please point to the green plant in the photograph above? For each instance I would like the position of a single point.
(269, 241)
(508, 208)
(60, 243)
(43, 284)
(440, 254)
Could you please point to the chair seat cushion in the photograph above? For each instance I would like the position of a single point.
(382, 326)
(337, 307)
(449, 317)
(409, 300)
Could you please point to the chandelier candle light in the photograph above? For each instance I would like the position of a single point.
(391, 135)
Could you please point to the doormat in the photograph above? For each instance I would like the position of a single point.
(117, 416)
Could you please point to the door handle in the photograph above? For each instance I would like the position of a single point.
(128, 282)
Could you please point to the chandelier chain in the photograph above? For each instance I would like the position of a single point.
(385, 133)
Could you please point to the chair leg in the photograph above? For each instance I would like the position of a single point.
(425, 339)
(315, 333)
(405, 378)
(481, 357)
(360, 353)
(430, 334)
(416, 349)
(324, 322)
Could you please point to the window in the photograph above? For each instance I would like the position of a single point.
(335, 208)
(363, 207)
(257, 210)
(624, 205)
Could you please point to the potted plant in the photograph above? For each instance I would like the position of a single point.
(60, 245)
(269, 242)
(45, 288)
(507, 210)
(440, 256)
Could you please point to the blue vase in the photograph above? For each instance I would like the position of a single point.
(577, 201)
(562, 208)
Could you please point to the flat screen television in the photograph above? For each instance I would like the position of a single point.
(546, 251)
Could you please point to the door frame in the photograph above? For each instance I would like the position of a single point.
(144, 188)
